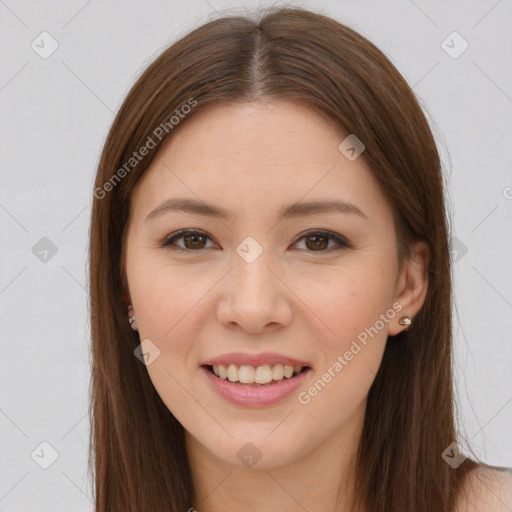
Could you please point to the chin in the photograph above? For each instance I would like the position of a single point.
(256, 453)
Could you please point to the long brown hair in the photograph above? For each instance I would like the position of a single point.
(138, 457)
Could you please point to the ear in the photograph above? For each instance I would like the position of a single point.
(412, 285)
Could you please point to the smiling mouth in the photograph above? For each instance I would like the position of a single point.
(233, 376)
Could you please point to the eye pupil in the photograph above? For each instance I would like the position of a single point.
(195, 238)
(320, 241)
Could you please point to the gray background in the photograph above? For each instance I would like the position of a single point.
(55, 113)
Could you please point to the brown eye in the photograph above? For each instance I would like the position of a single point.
(318, 241)
(192, 240)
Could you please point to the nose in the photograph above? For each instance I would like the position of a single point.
(254, 297)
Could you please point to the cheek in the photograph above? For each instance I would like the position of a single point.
(171, 306)
(358, 310)
(165, 296)
(168, 305)
(351, 304)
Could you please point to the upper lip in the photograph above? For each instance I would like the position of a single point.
(239, 358)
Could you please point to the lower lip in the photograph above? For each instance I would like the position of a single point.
(255, 396)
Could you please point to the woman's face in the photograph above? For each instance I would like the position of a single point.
(319, 287)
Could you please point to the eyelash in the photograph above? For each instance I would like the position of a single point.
(342, 242)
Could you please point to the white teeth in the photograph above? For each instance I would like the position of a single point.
(263, 374)
(247, 374)
(278, 372)
(288, 371)
(223, 371)
(232, 373)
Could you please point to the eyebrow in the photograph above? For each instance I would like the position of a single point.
(194, 206)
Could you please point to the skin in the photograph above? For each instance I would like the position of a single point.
(293, 299)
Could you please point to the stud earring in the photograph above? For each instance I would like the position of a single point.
(131, 318)
(405, 320)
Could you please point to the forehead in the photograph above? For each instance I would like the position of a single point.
(257, 157)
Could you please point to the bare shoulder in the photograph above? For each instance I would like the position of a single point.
(486, 490)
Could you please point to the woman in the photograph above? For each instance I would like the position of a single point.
(270, 284)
